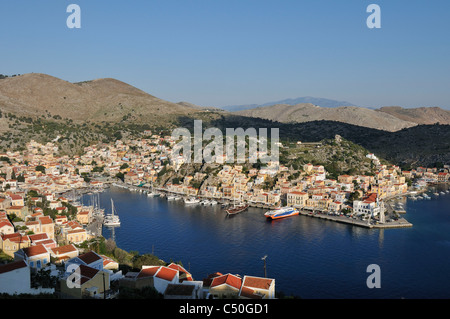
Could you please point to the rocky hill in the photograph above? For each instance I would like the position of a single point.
(301, 113)
(98, 100)
(421, 115)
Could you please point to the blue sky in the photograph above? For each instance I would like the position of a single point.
(226, 52)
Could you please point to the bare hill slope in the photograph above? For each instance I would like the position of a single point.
(96, 100)
(421, 115)
(307, 112)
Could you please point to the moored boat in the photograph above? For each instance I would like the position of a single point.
(112, 219)
(205, 202)
(191, 200)
(281, 213)
(236, 209)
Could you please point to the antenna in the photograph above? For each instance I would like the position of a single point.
(265, 268)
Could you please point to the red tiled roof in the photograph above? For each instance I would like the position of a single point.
(229, 279)
(257, 282)
(12, 266)
(64, 249)
(15, 207)
(5, 223)
(166, 273)
(35, 250)
(40, 236)
(89, 257)
(148, 272)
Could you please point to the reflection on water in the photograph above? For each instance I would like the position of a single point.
(308, 257)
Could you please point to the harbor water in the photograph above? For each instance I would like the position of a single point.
(308, 257)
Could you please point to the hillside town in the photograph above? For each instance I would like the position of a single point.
(43, 226)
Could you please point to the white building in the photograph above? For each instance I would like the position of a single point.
(367, 206)
(15, 278)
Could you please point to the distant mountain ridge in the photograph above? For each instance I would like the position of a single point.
(323, 102)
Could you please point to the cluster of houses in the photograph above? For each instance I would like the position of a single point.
(35, 240)
(91, 275)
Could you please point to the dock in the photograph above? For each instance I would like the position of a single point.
(400, 223)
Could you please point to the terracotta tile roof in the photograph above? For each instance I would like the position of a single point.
(64, 249)
(89, 257)
(16, 207)
(88, 272)
(46, 220)
(148, 272)
(76, 231)
(16, 237)
(257, 282)
(229, 279)
(40, 236)
(35, 250)
(208, 280)
(5, 223)
(12, 266)
(166, 273)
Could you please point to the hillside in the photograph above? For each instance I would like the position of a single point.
(45, 108)
(301, 113)
(97, 100)
(421, 115)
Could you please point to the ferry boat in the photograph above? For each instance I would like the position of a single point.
(112, 219)
(281, 213)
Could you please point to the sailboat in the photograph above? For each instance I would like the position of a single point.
(112, 219)
(236, 209)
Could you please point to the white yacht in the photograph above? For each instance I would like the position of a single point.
(191, 200)
(112, 219)
(171, 197)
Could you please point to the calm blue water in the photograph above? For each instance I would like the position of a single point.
(308, 257)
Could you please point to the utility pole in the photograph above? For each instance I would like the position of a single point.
(265, 268)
